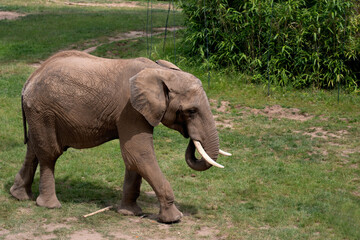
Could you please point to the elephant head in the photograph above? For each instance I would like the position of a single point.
(178, 100)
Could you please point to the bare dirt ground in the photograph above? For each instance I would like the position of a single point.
(128, 36)
(117, 4)
(93, 44)
(10, 15)
(275, 111)
(126, 228)
(114, 4)
(318, 132)
(221, 107)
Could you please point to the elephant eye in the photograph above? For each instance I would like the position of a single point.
(192, 111)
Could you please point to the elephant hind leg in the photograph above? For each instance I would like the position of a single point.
(47, 156)
(47, 150)
(21, 189)
(131, 191)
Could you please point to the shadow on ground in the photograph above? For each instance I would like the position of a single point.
(79, 192)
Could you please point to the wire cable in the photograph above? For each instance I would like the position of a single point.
(268, 54)
(343, 49)
(207, 45)
(151, 28)
(147, 28)
(174, 31)
(166, 25)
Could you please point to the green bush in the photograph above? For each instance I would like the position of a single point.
(304, 42)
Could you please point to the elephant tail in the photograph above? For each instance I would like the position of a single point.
(24, 120)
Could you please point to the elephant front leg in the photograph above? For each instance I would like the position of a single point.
(131, 191)
(136, 141)
(139, 156)
(168, 211)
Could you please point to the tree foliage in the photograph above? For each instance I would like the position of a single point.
(296, 42)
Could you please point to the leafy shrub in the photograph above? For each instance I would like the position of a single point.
(304, 42)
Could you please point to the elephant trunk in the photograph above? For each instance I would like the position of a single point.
(211, 147)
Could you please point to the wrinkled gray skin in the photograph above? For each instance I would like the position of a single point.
(81, 101)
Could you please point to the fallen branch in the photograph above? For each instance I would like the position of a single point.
(98, 211)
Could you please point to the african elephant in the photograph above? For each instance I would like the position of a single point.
(78, 100)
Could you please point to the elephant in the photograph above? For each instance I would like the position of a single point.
(80, 101)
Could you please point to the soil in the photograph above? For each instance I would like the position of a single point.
(276, 111)
(55, 226)
(223, 123)
(86, 234)
(122, 36)
(318, 132)
(208, 233)
(127, 36)
(118, 4)
(347, 152)
(221, 107)
(10, 15)
(128, 228)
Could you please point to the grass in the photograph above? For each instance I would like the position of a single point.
(287, 179)
(50, 29)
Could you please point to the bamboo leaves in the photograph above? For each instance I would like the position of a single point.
(312, 43)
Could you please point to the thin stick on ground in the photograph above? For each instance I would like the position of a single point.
(98, 211)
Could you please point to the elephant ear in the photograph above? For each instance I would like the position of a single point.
(167, 64)
(149, 94)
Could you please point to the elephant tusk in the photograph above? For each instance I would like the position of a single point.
(224, 153)
(205, 156)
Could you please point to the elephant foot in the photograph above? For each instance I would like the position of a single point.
(21, 193)
(170, 215)
(129, 209)
(51, 202)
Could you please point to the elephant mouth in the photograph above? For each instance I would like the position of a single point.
(184, 131)
(205, 156)
(205, 162)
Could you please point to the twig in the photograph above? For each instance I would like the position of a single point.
(98, 211)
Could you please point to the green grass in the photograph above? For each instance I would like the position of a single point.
(280, 183)
(50, 29)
